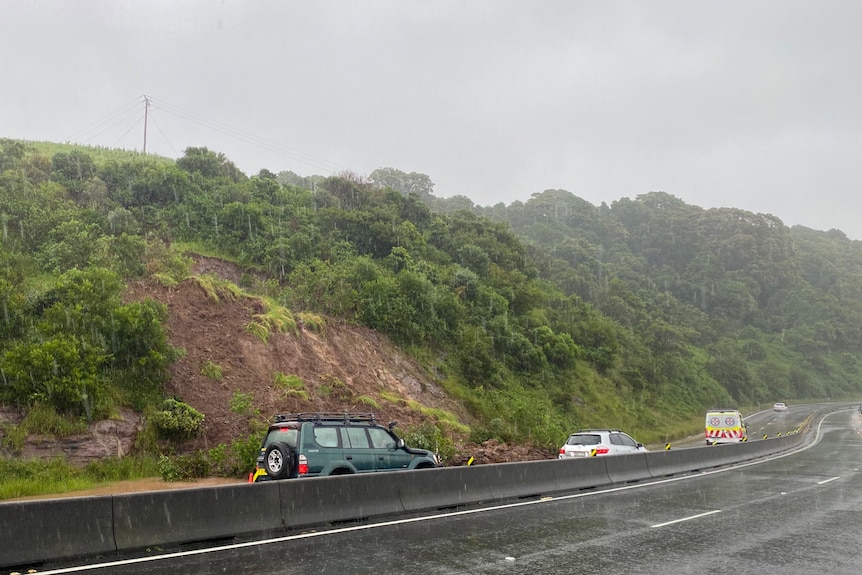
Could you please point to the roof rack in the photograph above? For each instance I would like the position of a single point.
(599, 429)
(321, 417)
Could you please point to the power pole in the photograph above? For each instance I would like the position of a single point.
(146, 115)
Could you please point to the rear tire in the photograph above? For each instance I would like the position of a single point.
(279, 461)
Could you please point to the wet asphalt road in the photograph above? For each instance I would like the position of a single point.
(791, 515)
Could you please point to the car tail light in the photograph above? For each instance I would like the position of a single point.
(303, 465)
(562, 451)
(602, 450)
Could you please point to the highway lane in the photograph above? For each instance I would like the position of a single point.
(793, 514)
(762, 423)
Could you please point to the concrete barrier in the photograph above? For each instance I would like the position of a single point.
(53, 529)
(520, 480)
(580, 473)
(680, 461)
(324, 500)
(445, 487)
(187, 515)
(628, 467)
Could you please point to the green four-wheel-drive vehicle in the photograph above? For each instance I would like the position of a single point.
(316, 444)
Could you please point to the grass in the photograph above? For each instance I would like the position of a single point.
(311, 321)
(24, 478)
(212, 371)
(290, 385)
(274, 318)
(216, 288)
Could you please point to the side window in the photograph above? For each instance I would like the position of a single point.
(326, 436)
(616, 439)
(354, 437)
(626, 440)
(381, 439)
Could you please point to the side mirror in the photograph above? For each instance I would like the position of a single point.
(400, 443)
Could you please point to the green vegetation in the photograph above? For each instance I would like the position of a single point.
(212, 371)
(431, 437)
(540, 316)
(243, 403)
(274, 318)
(291, 385)
(368, 401)
(177, 420)
(23, 478)
(232, 460)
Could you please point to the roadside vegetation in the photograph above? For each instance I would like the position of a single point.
(540, 317)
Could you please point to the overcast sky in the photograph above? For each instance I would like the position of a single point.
(748, 104)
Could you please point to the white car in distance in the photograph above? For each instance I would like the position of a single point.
(593, 442)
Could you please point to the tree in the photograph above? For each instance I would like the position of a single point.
(11, 153)
(73, 169)
(209, 164)
(406, 184)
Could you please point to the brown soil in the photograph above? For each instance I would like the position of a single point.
(344, 368)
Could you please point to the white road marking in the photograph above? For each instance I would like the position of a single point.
(827, 480)
(699, 515)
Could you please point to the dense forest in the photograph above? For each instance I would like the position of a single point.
(540, 316)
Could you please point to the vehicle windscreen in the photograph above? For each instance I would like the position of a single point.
(584, 439)
(282, 434)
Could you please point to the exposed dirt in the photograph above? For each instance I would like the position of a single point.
(343, 368)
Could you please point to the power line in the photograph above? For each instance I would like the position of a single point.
(120, 139)
(268, 145)
(107, 122)
(159, 128)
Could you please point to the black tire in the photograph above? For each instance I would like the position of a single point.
(279, 460)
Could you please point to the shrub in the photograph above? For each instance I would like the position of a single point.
(242, 403)
(429, 436)
(177, 420)
(184, 467)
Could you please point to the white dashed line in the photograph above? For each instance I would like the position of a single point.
(687, 518)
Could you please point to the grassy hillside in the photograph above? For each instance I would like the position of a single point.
(535, 318)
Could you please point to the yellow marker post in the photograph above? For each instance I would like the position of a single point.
(667, 447)
(470, 461)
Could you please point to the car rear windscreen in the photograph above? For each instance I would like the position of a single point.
(584, 439)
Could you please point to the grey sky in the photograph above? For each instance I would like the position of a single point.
(749, 104)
